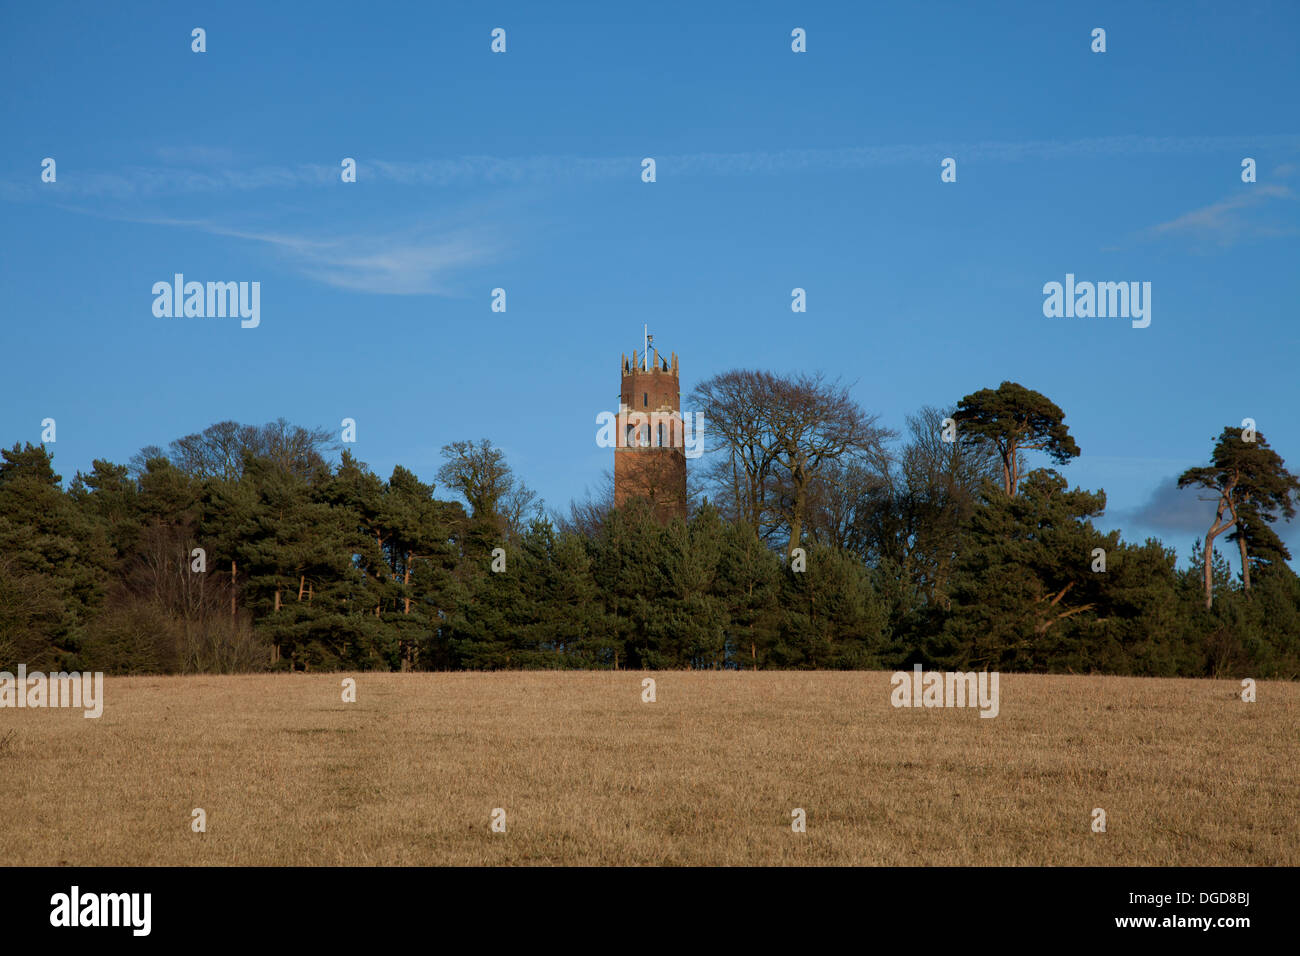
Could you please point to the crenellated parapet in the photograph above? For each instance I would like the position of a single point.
(657, 363)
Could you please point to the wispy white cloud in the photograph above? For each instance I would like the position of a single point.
(1231, 219)
(135, 182)
(398, 262)
(214, 172)
(391, 267)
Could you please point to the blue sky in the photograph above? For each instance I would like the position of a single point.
(775, 170)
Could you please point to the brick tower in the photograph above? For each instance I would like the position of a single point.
(650, 456)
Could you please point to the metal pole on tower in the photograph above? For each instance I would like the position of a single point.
(645, 353)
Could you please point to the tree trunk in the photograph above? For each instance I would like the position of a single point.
(1209, 572)
(1216, 529)
(406, 583)
(800, 503)
(302, 583)
(1245, 561)
(232, 587)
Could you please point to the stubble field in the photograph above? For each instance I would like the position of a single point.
(588, 774)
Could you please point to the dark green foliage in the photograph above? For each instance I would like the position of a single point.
(203, 562)
(832, 616)
(1014, 419)
(1252, 487)
(55, 562)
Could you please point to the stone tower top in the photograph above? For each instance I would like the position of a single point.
(657, 363)
(649, 453)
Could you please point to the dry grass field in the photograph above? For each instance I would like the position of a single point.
(708, 774)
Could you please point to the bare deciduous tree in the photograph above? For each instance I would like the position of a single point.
(779, 435)
(740, 466)
(218, 451)
(587, 516)
(480, 473)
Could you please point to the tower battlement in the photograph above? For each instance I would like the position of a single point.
(657, 365)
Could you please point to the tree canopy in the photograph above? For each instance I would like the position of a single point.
(284, 557)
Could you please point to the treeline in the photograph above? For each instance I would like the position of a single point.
(816, 540)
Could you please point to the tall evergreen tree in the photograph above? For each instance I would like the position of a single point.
(1250, 485)
(1015, 419)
